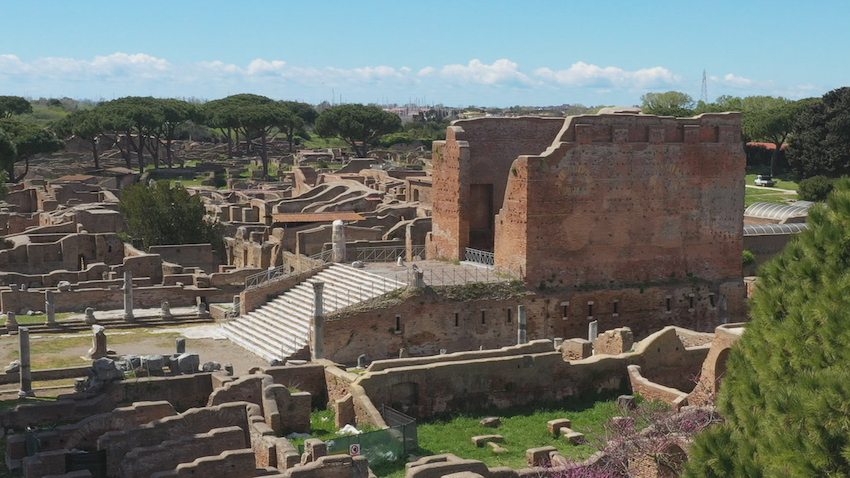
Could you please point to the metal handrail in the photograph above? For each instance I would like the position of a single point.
(278, 273)
(479, 257)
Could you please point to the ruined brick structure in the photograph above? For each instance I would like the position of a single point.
(614, 202)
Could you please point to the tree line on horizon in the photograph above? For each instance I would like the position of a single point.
(807, 135)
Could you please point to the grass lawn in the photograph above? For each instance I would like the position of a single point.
(763, 195)
(38, 319)
(522, 428)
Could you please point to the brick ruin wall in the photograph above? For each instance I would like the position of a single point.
(478, 152)
(628, 199)
(428, 322)
(470, 384)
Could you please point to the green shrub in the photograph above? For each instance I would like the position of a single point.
(815, 188)
(749, 258)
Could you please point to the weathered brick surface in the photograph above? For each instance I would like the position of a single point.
(628, 199)
(614, 342)
(616, 205)
(144, 461)
(305, 378)
(466, 385)
(478, 152)
(428, 320)
(199, 420)
(230, 464)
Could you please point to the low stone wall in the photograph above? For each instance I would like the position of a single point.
(533, 347)
(166, 456)
(332, 467)
(305, 378)
(105, 299)
(230, 464)
(199, 420)
(47, 374)
(653, 391)
(510, 380)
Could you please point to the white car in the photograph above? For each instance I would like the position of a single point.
(765, 180)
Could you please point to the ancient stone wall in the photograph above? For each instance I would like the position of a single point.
(626, 199)
(105, 299)
(476, 384)
(199, 420)
(187, 255)
(44, 253)
(430, 322)
(166, 456)
(229, 464)
(306, 378)
(471, 169)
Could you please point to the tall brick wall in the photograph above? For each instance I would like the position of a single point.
(628, 199)
(478, 152)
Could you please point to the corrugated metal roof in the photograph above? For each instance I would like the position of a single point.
(805, 204)
(774, 229)
(317, 217)
(769, 210)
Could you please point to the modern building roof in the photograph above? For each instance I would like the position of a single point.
(769, 210)
(805, 204)
(774, 229)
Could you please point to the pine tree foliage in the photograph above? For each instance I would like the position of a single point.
(786, 392)
(164, 214)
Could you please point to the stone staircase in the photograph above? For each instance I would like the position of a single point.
(282, 327)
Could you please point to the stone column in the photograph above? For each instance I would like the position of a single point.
(11, 323)
(128, 296)
(520, 333)
(338, 240)
(49, 308)
(26, 377)
(317, 347)
(592, 331)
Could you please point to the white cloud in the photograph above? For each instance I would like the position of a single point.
(499, 83)
(586, 75)
(739, 81)
(501, 72)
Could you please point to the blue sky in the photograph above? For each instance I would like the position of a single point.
(459, 53)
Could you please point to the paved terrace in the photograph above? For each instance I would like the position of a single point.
(439, 273)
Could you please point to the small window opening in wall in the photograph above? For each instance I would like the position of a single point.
(616, 305)
(109, 248)
(711, 300)
(590, 310)
(510, 319)
(397, 323)
(565, 309)
(483, 318)
(457, 319)
(691, 301)
(668, 301)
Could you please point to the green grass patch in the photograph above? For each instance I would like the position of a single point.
(39, 319)
(324, 428)
(762, 195)
(522, 429)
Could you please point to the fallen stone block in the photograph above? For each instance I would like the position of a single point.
(490, 422)
(573, 436)
(557, 424)
(539, 456)
(480, 440)
(495, 448)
